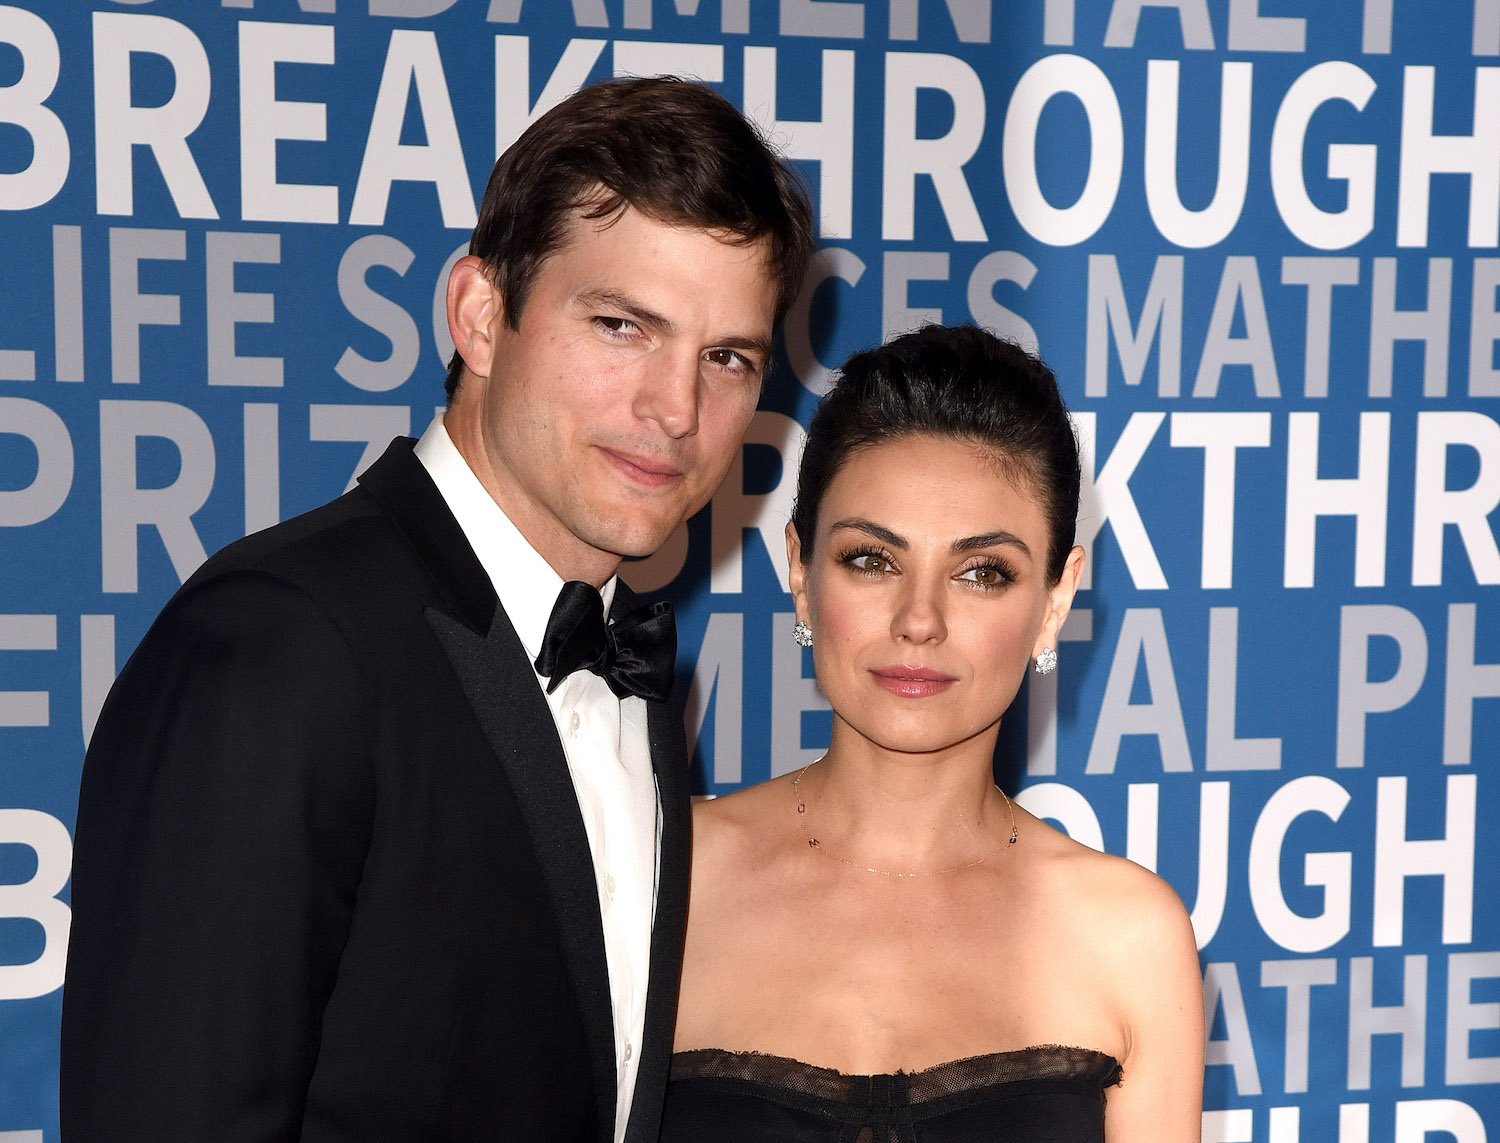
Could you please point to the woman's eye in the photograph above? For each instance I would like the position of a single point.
(869, 562)
(986, 575)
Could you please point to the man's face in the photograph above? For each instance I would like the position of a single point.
(612, 413)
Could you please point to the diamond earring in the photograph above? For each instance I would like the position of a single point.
(1046, 661)
(801, 634)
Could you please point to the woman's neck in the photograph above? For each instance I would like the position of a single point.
(904, 812)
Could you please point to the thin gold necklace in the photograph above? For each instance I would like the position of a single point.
(814, 843)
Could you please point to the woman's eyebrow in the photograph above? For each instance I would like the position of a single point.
(869, 528)
(999, 537)
(991, 539)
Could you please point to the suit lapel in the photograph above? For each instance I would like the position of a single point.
(669, 760)
(499, 682)
(399, 483)
(500, 685)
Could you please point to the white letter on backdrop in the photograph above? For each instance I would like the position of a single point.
(120, 126)
(1082, 79)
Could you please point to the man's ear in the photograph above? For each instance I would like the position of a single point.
(474, 306)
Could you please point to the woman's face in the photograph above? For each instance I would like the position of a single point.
(926, 590)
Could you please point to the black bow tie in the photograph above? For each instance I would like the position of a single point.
(636, 655)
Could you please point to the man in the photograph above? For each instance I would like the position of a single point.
(368, 847)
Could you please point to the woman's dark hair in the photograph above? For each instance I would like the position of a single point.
(949, 381)
(674, 150)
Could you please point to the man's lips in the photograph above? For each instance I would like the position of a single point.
(645, 470)
(912, 682)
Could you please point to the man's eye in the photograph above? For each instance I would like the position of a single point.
(616, 326)
(729, 359)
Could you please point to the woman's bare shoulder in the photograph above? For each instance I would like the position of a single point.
(1142, 955)
(745, 807)
(731, 827)
(1130, 909)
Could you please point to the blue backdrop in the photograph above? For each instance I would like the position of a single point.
(1258, 240)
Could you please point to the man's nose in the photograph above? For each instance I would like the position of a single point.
(669, 393)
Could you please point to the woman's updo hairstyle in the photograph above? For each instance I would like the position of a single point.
(949, 381)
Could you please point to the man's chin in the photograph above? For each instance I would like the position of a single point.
(634, 543)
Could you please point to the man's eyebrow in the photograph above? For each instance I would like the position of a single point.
(989, 540)
(636, 311)
(870, 528)
(757, 345)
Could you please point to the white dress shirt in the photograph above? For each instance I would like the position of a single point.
(605, 741)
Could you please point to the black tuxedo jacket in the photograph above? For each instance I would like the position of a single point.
(331, 881)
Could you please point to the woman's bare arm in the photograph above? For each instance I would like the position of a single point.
(1161, 1097)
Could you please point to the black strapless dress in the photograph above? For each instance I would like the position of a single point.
(1047, 1094)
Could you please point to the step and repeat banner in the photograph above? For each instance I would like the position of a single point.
(1258, 240)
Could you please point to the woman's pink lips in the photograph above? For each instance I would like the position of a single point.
(912, 682)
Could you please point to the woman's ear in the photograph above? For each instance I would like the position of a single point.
(796, 572)
(473, 307)
(1060, 601)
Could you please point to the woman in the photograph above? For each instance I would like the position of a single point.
(882, 947)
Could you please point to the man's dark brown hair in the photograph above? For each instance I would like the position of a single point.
(674, 150)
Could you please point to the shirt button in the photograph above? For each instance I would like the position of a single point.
(573, 721)
(629, 1051)
(609, 887)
